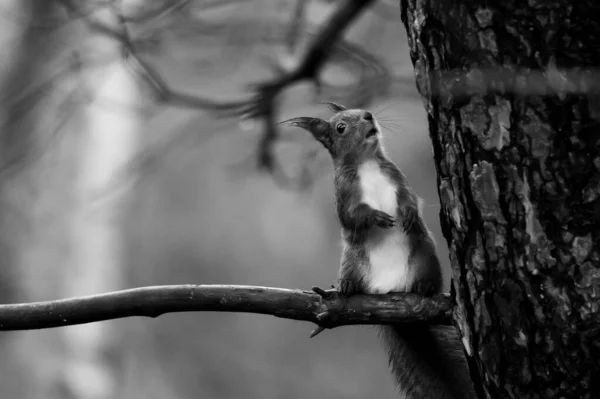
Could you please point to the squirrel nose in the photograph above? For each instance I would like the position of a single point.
(368, 116)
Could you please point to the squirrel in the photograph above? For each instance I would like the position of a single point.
(388, 248)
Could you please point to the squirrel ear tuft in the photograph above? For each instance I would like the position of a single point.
(318, 127)
(334, 106)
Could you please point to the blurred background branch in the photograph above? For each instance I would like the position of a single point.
(292, 65)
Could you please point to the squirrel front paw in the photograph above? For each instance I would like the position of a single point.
(410, 216)
(382, 219)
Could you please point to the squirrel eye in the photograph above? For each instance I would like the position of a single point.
(340, 127)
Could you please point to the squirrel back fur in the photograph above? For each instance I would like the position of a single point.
(388, 248)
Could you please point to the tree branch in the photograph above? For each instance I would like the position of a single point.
(319, 50)
(264, 104)
(168, 7)
(161, 90)
(328, 309)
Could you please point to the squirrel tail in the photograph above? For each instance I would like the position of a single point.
(428, 361)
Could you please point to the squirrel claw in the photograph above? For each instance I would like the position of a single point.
(323, 315)
(383, 220)
(316, 331)
(410, 216)
(322, 292)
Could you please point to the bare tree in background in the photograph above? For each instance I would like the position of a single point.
(511, 93)
(69, 121)
(512, 99)
(73, 78)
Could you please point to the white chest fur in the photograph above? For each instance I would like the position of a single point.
(387, 249)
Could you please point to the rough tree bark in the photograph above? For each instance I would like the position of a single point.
(514, 119)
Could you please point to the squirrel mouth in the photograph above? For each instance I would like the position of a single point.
(372, 132)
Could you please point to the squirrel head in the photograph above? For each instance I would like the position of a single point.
(349, 131)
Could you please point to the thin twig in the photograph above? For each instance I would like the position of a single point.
(168, 7)
(327, 309)
(161, 90)
(296, 26)
(263, 105)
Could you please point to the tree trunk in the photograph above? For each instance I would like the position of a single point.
(514, 120)
(66, 130)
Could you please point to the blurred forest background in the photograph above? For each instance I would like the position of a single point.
(184, 200)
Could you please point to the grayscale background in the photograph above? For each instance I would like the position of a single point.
(194, 210)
